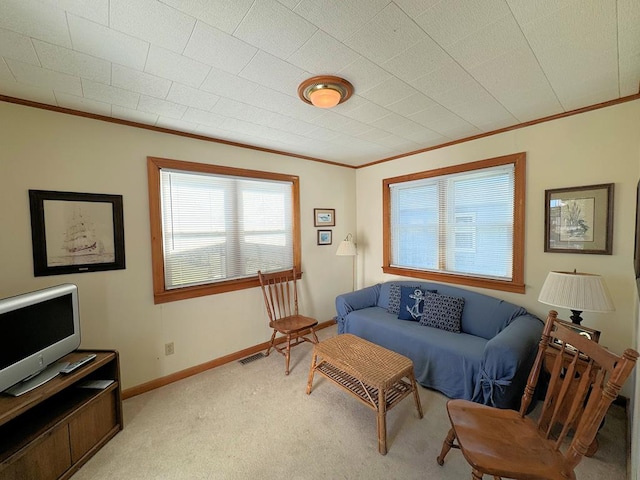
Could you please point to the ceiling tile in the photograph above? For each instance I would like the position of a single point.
(417, 61)
(176, 124)
(35, 19)
(227, 85)
(132, 115)
(178, 68)
(27, 92)
(323, 55)
(107, 93)
(83, 104)
(339, 18)
(364, 74)
(218, 49)
(16, 46)
(354, 127)
(43, 78)
(332, 120)
(102, 42)
(137, 81)
(191, 97)
(288, 105)
(274, 28)
(94, 10)
(222, 14)
(412, 104)
(195, 115)
(389, 32)
(451, 21)
(390, 91)
(161, 107)
(576, 55)
(74, 63)
(414, 8)
(516, 80)
(152, 21)
(440, 120)
(5, 73)
(274, 73)
(487, 43)
(450, 75)
(629, 45)
(368, 112)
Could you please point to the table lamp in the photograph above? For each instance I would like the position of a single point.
(579, 292)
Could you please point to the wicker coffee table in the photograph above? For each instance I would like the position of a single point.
(377, 377)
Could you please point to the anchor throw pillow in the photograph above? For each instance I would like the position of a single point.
(443, 312)
(412, 303)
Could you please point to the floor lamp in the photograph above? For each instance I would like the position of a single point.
(348, 249)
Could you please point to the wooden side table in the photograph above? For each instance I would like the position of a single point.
(377, 377)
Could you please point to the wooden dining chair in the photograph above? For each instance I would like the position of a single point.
(280, 291)
(584, 378)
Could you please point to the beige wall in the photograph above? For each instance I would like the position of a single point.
(596, 147)
(52, 151)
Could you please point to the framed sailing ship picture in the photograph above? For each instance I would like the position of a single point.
(76, 232)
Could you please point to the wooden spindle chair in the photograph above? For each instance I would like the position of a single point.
(584, 378)
(280, 291)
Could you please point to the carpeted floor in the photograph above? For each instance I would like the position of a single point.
(251, 421)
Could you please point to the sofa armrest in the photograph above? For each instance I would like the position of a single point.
(506, 363)
(348, 302)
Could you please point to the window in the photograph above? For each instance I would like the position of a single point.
(214, 227)
(461, 224)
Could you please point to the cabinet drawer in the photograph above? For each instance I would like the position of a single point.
(45, 460)
(92, 424)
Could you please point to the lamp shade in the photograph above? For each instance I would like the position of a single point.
(347, 247)
(583, 292)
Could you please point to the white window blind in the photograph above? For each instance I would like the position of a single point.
(460, 223)
(218, 227)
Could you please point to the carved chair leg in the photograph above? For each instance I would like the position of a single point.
(287, 353)
(476, 475)
(446, 446)
(271, 343)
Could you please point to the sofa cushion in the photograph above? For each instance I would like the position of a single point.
(443, 312)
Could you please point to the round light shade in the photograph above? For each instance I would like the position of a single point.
(325, 91)
(584, 292)
(324, 97)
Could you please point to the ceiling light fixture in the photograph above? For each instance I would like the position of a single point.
(325, 91)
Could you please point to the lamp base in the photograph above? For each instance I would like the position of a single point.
(576, 318)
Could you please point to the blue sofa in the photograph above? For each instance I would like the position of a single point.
(487, 362)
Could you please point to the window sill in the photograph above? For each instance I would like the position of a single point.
(503, 285)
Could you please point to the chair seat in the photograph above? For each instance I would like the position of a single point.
(293, 324)
(502, 443)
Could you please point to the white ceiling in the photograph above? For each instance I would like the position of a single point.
(425, 72)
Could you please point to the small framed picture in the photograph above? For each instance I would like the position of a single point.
(324, 217)
(324, 237)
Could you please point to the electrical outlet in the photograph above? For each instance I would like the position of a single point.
(168, 348)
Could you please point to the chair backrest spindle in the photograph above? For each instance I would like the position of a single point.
(280, 293)
(583, 380)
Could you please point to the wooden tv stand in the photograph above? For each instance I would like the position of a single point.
(51, 431)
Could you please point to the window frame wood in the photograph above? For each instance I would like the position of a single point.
(516, 284)
(160, 293)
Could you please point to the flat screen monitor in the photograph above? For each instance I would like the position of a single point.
(36, 329)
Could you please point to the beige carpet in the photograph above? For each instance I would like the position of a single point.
(251, 421)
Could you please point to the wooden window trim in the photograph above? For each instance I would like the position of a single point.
(516, 284)
(160, 294)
